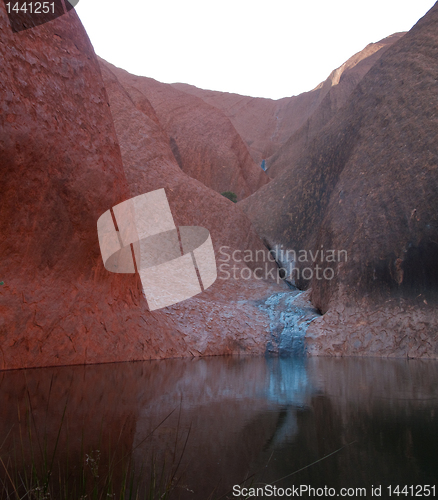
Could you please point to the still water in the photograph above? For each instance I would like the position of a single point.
(213, 423)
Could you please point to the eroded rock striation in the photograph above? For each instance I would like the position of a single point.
(202, 140)
(150, 164)
(366, 186)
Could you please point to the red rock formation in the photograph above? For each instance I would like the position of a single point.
(264, 124)
(150, 164)
(367, 185)
(334, 93)
(203, 141)
(60, 169)
(279, 130)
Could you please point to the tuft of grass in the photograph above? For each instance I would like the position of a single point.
(230, 195)
(34, 470)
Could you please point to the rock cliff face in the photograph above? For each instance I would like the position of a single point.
(264, 124)
(203, 141)
(366, 187)
(279, 130)
(332, 95)
(60, 169)
(150, 164)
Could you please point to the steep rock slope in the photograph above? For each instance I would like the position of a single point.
(202, 139)
(60, 169)
(150, 164)
(264, 124)
(333, 95)
(267, 125)
(367, 185)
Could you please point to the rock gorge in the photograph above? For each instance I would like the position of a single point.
(352, 167)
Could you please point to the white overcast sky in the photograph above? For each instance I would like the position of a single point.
(273, 48)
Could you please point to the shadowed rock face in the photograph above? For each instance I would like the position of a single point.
(367, 184)
(202, 140)
(150, 164)
(264, 124)
(333, 94)
(279, 130)
(60, 169)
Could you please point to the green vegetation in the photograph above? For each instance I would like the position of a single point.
(230, 195)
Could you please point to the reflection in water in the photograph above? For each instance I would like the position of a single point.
(229, 419)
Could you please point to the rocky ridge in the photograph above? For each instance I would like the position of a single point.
(278, 130)
(355, 170)
(334, 93)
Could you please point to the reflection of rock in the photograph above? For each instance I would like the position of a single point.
(388, 409)
(358, 381)
(289, 383)
(344, 422)
(366, 185)
(221, 405)
(94, 409)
